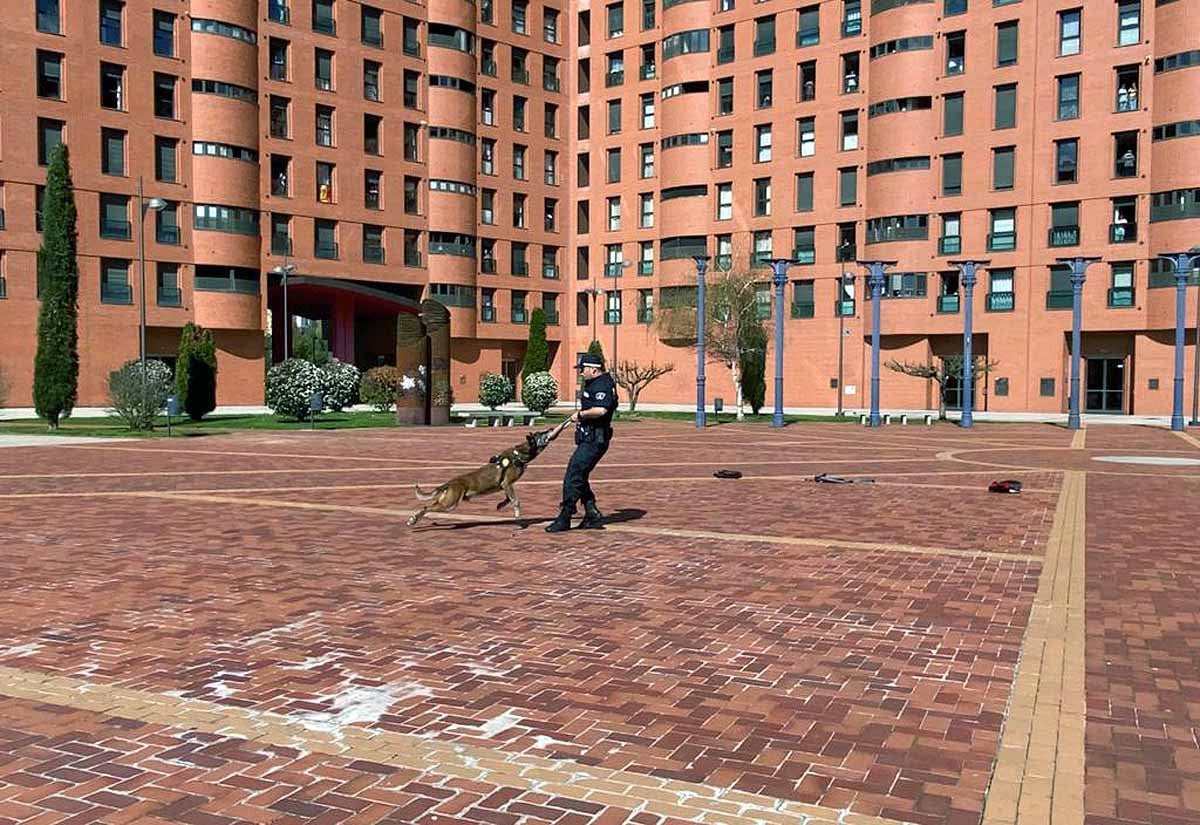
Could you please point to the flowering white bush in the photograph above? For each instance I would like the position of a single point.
(494, 389)
(339, 384)
(136, 402)
(289, 385)
(539, 391)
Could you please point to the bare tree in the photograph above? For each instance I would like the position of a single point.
(731, 315)
(943, 371)
(634, 377)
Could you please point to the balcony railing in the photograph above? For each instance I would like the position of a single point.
(804, 37)
(279, 126)
(520, 269)
(374, 255)
(520, 316)
(1001, 241)
(1064, 236)
(948, 303)
(326, 249)
(851, 28)
(465, 250)
(949, 245)
(614, 269)
(899, 233)
(803, 309)
(614, 78)
(645, 267)
(549, 270)
(1120, 297)
(279, 71)
(520, 75)
(487, 266)
(612, 316)
(844, 308)
(1122, 232)
(324, 25)
(281, 245)
(116, 294)
(725, 54)
(847, 254)
(645, 315)
(804, 255)
(762, 47)
(115, 230)
(1001, 301)
(412, 48)
(648, 71)
(550, 83)
(1060, 299)
(487, 314)
(551, 315)
(167, 235)
(412, 257)
(487, 67)
(170, 296)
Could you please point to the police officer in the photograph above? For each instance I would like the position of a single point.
(593, 434)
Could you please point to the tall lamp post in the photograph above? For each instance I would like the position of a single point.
(779, 268)
(701, 322)
(968, 276)
(144, 206)
(843, 279)
(875, 282)
(623, 265)
(1183, 263)
(283, 270)
(1079, 267)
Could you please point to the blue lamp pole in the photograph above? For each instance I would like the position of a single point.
(968, 276)
(779, 267)
(1079, 267)
(875, 282)
(1183, 263)
(701, 268)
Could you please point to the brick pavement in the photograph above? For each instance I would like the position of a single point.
(242, 630)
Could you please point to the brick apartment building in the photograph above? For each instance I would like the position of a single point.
(502, 155)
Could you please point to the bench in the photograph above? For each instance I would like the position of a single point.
(928, 419)
(500, 418)
(887, 418)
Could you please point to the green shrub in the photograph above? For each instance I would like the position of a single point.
(754, 368)
(537, 351)
(339, 385)
(539, 391)
(196, 372)
(494, 390)
(289, 385)
(310, 345)
(137, 402)
(380, 387)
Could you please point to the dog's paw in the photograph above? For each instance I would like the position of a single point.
(517, 512)
(412, 520)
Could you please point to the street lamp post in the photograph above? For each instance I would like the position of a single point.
(1195, 422)
(779, 268)
(617, 288)
(1183, 262)
(1079, 267)
(875, 282)
(842, 279)
(701, 268)
(144, 206)
(968, 274)
(283, 270)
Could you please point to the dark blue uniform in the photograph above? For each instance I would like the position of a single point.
(592, 437)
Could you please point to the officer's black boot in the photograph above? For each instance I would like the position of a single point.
(591, 516)
(561, 523)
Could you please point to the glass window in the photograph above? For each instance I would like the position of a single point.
(49, 79)
(952, 174)
(1129, 22)
(48, 19)
(165, 152)
(806, 136)
(112, 159)
(847, 186)
(764, 36)
(953, 114)
(1006, 106)
(804, 191)
(1002, 167)
(850, 130)
(1066, 160)
(164, 34)
(762, 143)
(111, 13)
(1068, 97)
(1006, 43)
(762, 197)
(50, 134)
(1070, 31)
(808, 31)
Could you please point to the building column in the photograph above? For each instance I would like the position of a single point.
(343, 328)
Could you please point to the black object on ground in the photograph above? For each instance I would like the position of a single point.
(1007, 486)
(727, 474)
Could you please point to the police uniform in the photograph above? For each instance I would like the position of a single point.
(592, 437)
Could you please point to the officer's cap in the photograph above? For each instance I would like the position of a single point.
(589, 360)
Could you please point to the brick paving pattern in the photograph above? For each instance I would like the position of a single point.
(241, 629)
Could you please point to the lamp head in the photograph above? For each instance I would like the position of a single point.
(156, 204)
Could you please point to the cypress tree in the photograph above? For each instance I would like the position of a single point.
(56, 365)
(196, 371)
(537, 351)
(594, 348)
(754, 368)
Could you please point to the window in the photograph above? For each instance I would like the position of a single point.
(325, 182)
(279, 117)
(114, 217)
(952, 120)
(1066, 160)
(646, 255)
(806, 136)
(724, 201)
(48, 19)
(1070, 25)
(1000, 297)
(903, 44)
(411, 37)
(762, 143)
(1129, 22)
(164, 34)
(762, 197)
(1124, 226)
(1003, 236)
(1068, 96)
(412, 82)
(112, 157)
(487, 207)
(518, 113)
(372, 26)
(725, 149)
(371, 71)
(952, 174)
(646, 210)
(323, 73)
(763, 249)
(808, 30)
(50, 134)
(804, 244)
(518, 210)
(373, 134)
(325, 243)
(763, 84)
(281, 175)
(950, 242)
(646, 151)
(1006, 43)
(953, 7)
(612, 306)
(167, 225)
(614, 260)
(550, 25)
(49, 75)
(616, 19)
(277, 51)
(1003, 160)
(613, 165)
(850, 73)
(165, 152)
(1125, 154)
(112, 86)
(848, 186)
(956, 53)
(1127, 88)
(519, 162)
(550, 168)
(804, 191)
(111, 13)
(164, 95)
(725, 96)
(647, 106)
(223, 29)
(229, 90)
(614, 116)
(167, 286)
(322, 17)
(324, 125)
(764, 36)
(1064, 224)
(807, 81)
(373, 191)
(849, 130)
(114, 282)
(1006, 106)
(487, 156)
(726, 48)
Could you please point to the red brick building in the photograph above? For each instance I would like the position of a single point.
(574, 156)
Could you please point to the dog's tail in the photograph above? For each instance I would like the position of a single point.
(424, 496)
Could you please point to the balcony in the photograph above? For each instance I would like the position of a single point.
(115, 230)
(614, 79)
(281, 245)
(487, 67)
(1001, 241)
(465, 250)
(847, 254)
(803, 309)
(1122, 232)
(167, 235)
(487, 266)
(612, 316)
(374, 255)
(948, 304)
(549, 270)
(1120, 297)
(487, 314)
(520, 269)
(1001, 301)
(1060, 299)
(116, 293)
(520, 75)
(550, 83)
(844, 308)
(1064, 236)
(170, 296)
(648, 72)
(520, 315)
(949, 245)
(804, 255)
(412, 257)
(899, 233)
(326, 249)
(645, 267)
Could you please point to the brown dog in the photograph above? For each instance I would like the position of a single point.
(501, 473)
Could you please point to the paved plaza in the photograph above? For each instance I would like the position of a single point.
(241, 629)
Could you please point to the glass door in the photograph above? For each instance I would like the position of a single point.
(1105, 385)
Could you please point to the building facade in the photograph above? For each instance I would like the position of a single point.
(502, 156)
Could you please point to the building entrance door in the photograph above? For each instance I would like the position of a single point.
(1105, 385)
